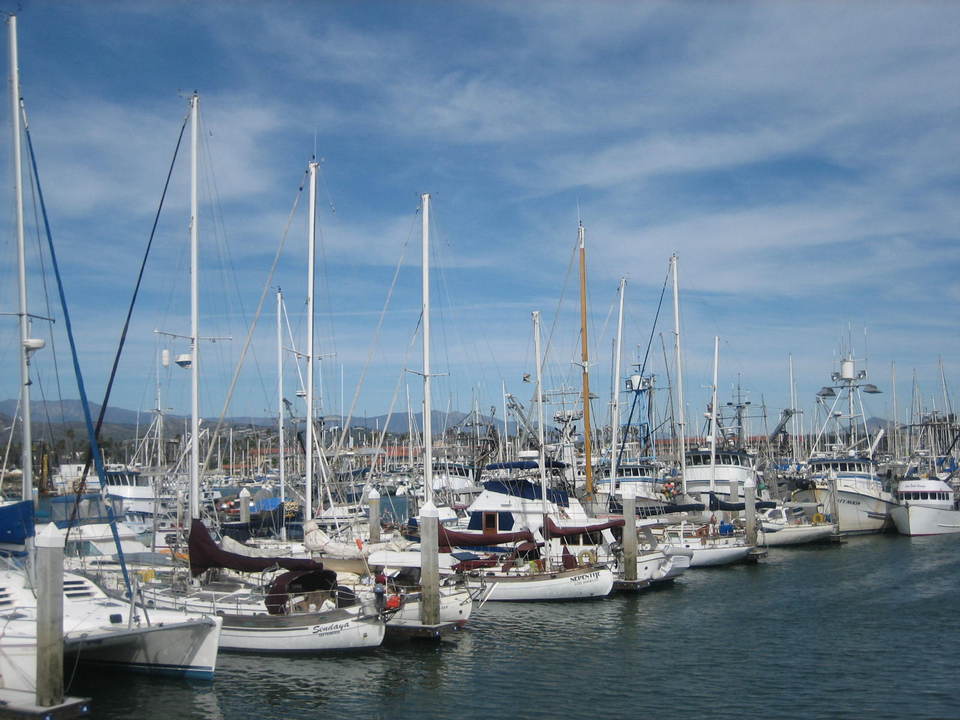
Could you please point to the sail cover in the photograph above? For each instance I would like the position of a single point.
(717, 504)
(204, 554)
(563, 531)
(453, 538)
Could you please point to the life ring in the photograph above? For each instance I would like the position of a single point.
(587, 557)
(818, 518)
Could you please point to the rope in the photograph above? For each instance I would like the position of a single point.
(126, 324)
(91, 434)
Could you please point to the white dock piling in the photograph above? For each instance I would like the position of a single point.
(629, 531)
(429, 565)
(750, 510)
(244, 501)
(373, 498)
(49, 556)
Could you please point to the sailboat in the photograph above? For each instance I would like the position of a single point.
(300, 610)
(96, 628)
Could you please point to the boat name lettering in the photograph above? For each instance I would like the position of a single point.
(331, 629)
(587, 578)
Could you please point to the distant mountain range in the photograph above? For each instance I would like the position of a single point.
(70, 412)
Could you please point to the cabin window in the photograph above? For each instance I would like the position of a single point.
(490, 522)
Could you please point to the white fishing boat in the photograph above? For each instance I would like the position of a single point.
(863, 505)
(926, 506)
(843, 476)
(790, 526)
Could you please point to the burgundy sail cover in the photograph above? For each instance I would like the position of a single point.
(205, 554)
(453, 538)
(563, 531)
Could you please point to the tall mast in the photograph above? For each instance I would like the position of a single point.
(713, 417)
(615, 393)
(429, 517)
(896, 420)
(281, 455)
(793, 418)
(676, 335)
(311, 249)
(194, 314)
(540, 415)
(26, 426)
(585, 362)
(427, 419)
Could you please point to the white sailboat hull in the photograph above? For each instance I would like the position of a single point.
(913, 519)
(344, 629)
(187, 647)
(773, 536)
(456, 606)
(578, 584)
(713, 553)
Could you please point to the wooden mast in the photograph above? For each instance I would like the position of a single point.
(585, 363)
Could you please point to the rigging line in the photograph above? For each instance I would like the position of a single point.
(563, 291)
(221, 233)
(91, 434)
(376, 338)
(49, 312)
(133, 299)
(6, 452)
(253, 326)
(656, 317)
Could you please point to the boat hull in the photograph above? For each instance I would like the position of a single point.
(859, 513)
(773, 536)
(345, 629)
(580, 584)
(187, 648)
(455, 607)
(920, 520)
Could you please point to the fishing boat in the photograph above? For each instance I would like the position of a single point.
(926, 506)
(844, 475)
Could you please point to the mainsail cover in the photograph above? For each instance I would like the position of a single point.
(564, 531)
(453, 538)
(718, 504)
(204, 554)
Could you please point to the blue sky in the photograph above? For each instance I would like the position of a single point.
(801, 159)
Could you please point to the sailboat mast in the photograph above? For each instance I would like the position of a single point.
(311, 250)
(281, 455)
(25, 425)
(713, 418)
(896, 420)
(585, 362)
(540, 413)
(427, 419)
(676, 335)
(615, 393)
(194, 314)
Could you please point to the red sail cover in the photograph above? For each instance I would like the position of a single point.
(453, 538)
(205, 554)
(563, 531)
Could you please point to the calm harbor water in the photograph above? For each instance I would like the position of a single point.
(865, 630)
